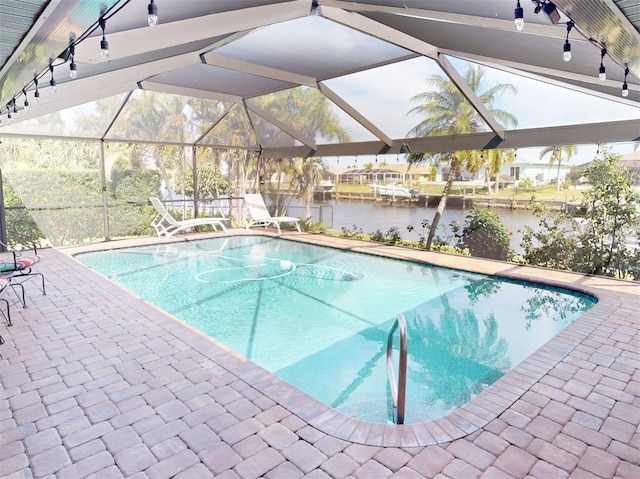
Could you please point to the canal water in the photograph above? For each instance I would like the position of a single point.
(369, 216)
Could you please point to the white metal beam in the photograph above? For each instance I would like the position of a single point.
(189, 92)
(258, 70)
(335, 98)
(168, 35)
(470, 95)
(289, 131)
(378, 30)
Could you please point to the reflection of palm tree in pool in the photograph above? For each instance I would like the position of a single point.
(554, 305)
(457, 348)
(482, 287)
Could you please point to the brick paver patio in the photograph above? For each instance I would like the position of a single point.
(98, 383)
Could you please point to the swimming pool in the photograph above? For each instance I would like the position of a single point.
(318, 317)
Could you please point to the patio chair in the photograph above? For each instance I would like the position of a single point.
(18, 267)
(5, 283)
(258, 214)
(166, 225)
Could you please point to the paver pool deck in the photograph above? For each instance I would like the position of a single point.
(96, 382)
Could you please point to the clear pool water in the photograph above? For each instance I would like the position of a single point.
(318, 317)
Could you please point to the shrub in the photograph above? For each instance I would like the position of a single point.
(485, 235)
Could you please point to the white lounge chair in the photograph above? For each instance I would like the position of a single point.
(258, 214)
(166, 225)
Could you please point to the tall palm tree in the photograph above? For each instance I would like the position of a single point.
(308, 172)
(556, 157)
(308, 112)
(445, 111)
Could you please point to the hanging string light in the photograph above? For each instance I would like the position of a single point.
(36, 93)
(152, 17)
(625, 87)
(73, 68)
(602, 74)
(52, 82)
(566, 54)
(518, 16)
(26, 99)
(104, 44)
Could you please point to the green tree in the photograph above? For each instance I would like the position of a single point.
(612, 219)
(485, 235)
(308, 172)
(445, 111)
(601, 241)
(309, 113)
(555, 157)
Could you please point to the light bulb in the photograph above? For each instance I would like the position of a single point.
(152, 18)
(625, 90)
(73, 70)
(566, 54)
(603, 73)
(104, 49)
(53, 85)
(518, 15)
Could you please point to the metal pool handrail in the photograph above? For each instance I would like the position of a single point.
(398, 389)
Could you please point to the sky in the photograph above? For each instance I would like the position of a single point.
(536, 104)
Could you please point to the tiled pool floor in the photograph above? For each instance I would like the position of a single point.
(98, 383)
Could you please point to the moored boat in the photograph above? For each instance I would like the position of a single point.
(392, 191)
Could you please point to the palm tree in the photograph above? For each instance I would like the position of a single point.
(308, 172)
(308, 112)
(445, 111)
(556, 157)
(492, 165)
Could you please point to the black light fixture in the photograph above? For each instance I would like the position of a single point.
(152, 17)
(625, 87)
(26, 99)
(52, 82)
(36, 93)
(602, 73)
(15, 108)
(9, 112)
(315, 8)
(518, 16)
(566, 54)
(73, 68)
(104, 44)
